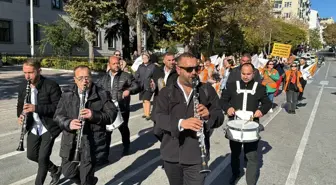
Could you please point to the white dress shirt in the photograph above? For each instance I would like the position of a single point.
(187, 98)
(38, 127)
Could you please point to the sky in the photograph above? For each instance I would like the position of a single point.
(325, 8)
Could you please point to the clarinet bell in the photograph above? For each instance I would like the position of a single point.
(205, 169)
(20, 147)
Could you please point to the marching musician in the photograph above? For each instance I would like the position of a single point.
(231, 101)
(174, 116)
(121, 85)
(42, 130)
(97, 112)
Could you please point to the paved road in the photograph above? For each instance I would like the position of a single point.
(295, 149)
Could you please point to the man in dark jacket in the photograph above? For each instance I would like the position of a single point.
(121, 85)
(235, 73)
(98, 111)
(42, 130)
(231, 101)
(174, 115)
(163, 76)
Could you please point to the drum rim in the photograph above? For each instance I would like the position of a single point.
(249, 141)
(249, 129)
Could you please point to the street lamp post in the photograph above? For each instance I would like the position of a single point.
(31, 29)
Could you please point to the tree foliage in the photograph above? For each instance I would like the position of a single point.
(92, 15)
(314, 39)
(62, 38)
(329, 34)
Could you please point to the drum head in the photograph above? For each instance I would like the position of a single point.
(238, 124)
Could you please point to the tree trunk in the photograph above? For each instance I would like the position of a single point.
(126, 49)
(211, 42)
(91, 52)
(139, 29)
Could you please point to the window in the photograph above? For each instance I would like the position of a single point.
(288, 4)
(35, 2)
(96, 43)
(56, 4)
(287, 15)
(36, 33)
(5, 31)
(111, 42)
(277, 5)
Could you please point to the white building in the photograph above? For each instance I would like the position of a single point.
(15, 29)
(314, 20)
(292, 9)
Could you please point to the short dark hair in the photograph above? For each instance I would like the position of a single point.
(33, 63)
(184, 55)
(168, 54)
(82, 67)
(247, 55)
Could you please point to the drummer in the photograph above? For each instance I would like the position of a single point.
(232, 100)
(121, 85)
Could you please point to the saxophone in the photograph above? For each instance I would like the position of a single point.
(24, 121)
(200, 133)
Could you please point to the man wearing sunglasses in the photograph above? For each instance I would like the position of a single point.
(236, 72)
(98, 111)
(174, 116)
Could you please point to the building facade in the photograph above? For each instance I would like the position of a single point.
(15, 27)
(292, 9)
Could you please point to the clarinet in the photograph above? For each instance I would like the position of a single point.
(76, 158)
(24, 121)
(200, 133)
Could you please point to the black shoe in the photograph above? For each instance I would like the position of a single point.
(126, 151)
(55, 177)
(234, 179)
(148, 118)
(144, 116)
(95, 180)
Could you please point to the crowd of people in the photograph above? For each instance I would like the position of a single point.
(89, 106)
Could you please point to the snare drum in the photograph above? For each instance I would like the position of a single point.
(242, 131)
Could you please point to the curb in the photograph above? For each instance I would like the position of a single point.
(66, 71)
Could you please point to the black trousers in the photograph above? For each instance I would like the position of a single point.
(292, 99)
(180, 174)
(303, 83)
(39, 149)
(124, 130)
(251, 153)
(82, 174)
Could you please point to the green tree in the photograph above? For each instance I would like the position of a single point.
(314, 39)
(92, 15)
(62, 38)
(329, 34)
(287, 33)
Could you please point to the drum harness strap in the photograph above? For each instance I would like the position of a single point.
(245, 91)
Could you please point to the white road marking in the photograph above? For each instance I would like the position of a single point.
(134, 172)
(10, 154)
(324, 82)
(225, 163)
(31, 178)
(326, 76)
(9, 133)
(299, 154)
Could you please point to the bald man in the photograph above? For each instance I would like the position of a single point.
(121, 85)
(231, 101)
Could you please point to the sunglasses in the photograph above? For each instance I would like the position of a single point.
(81, 78)
(118, 55)
(293, 66)
(190, 69)
(271, 64)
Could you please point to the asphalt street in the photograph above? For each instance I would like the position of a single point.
(294, 149)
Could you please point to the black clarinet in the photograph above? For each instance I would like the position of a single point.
(76, 158)
(200, 133)
(24, 121)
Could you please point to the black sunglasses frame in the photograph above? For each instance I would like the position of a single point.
(190, 69)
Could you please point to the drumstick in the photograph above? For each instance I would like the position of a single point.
(242, 128)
